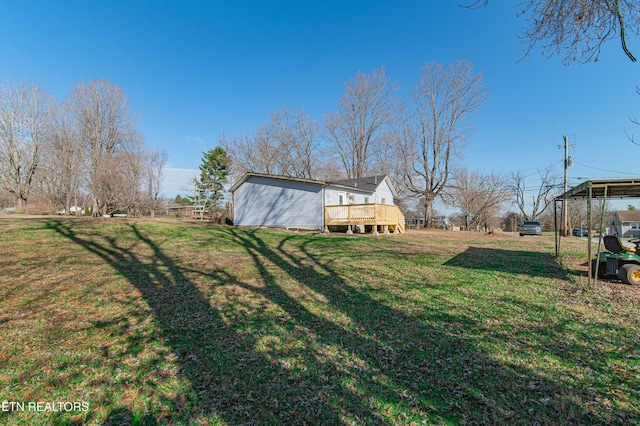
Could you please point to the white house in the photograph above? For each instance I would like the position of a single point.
(626, 223)
(287, 202)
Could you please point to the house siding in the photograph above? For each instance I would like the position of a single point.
(332, 196)
(622, 222)
(384, 191)
(261, 201)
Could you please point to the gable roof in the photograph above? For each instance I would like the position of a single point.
(369, 183)
(629, 215)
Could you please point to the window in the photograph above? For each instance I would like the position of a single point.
(352, 199)
(366, 200)
(384, 201)
(341, 199)
(634, 225)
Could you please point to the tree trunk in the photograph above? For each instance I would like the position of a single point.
(67, 204)
(21, 203)
(428, 211)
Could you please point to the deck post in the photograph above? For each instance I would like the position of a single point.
(349, 231)
(326, 230)
(374, 230)
(386, 229)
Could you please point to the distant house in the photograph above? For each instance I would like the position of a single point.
(287, 202)
(626, 223)
(414, 222)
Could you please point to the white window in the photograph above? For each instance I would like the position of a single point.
(352, 199)
(635, 225)
(341, 199)
(384, 201)
(366, 200)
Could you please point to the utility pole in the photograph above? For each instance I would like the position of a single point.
(566, 187)
(568, 162)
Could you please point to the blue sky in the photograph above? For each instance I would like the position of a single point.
(196, 69)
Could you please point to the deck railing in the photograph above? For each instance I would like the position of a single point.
(388, 216)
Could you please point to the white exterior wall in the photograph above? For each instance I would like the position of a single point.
(332, 196)
(279, 203)
(384, 191)
(628, 231)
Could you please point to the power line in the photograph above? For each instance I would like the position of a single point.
(605, 170)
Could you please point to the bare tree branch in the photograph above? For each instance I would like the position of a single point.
(541, 198)
(479, 195)
(576, 29)
(366, 107)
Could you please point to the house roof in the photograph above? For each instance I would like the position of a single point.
(369, 183)
(289, 178)
(629, 215)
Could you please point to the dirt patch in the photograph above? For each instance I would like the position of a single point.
(613, 288)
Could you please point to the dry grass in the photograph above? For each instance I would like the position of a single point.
(165, 322)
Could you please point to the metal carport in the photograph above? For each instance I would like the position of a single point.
(599, 190)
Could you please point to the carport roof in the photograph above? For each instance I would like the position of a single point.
(615, 188)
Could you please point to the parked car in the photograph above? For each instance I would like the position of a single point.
(579, 232)
(530, 227)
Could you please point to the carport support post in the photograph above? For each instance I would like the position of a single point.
(555, 226)
(600, 230)
(589, 263)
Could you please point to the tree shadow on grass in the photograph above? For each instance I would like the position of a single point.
(332, 355)
(229, 380)
(535, 264)
(430, 372)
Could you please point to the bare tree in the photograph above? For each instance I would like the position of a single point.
(286, 145)
(24, 122)
(132, 171)
(105, 126)
(366, 107)
(478, 196)
(63, 156)
(577, 29)
(636, 122)
(550, 181)
(329, 168)
(155, 162)
(297, 144)
(257, 153)
(437, 128)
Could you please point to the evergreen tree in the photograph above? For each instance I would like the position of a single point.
(214, 171)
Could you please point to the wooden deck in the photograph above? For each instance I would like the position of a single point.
(381, 217)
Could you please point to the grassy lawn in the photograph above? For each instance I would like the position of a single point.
(153, 322)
